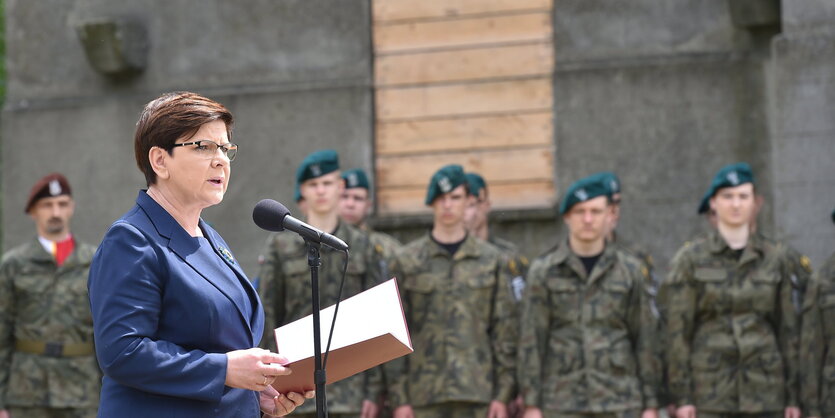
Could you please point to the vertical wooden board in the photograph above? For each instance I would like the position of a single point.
(421, 9)
(469, 64)
(524, 164)
(475, 31)
(519, 195)
(463, 99)
(505, 130)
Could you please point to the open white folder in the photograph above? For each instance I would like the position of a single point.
(370, 330)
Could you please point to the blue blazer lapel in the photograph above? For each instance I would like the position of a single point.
(186, 247)
(222, 250)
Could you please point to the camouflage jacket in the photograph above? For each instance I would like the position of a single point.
(517, 264)
(40, 301)
(387, 246)
(462, 321)
(731, 327)
(818, 341)
(285, 293)
(586, 340)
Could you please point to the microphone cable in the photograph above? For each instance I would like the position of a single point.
(335, 311)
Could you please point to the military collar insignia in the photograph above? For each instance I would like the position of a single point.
(54, 188)
(444, 184)
(316, 170)
(733, 177)
(227, 255)
(581, 194)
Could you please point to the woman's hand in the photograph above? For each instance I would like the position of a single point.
(254, 368)
(275, 404)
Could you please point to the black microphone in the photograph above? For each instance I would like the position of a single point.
(273, 216)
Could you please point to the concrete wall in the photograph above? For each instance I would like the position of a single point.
(295, 73)
(802, 114)
(663, 93)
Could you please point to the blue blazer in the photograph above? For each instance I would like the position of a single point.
(163, 320)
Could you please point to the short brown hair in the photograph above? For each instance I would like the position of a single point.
(170, 117)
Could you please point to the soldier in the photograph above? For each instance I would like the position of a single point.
(460, 312)
(586, 327)
(799, 265)
(730, 325)
(354, 207)
(47, 363)
(817, 383)
(612, 183)
(285, 281)
(475, 219)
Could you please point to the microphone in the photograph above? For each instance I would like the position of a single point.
(273, 216)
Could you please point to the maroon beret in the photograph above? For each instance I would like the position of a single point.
(51, 185)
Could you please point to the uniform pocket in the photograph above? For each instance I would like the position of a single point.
(296, 267)
(422, 283)
(419, 298)
(564, 294)
(764, 290)
(708, 274)
(482, 279)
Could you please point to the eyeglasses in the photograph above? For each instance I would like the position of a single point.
(208, 149)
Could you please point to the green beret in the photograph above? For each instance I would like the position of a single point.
(609, 179)
(355, 178)
(583, 190)
(475, 183)
(316, 164)
(444, 180)
(731, 175)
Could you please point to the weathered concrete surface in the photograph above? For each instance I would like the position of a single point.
(296, 74)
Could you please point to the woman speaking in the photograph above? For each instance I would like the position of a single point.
(175, 318)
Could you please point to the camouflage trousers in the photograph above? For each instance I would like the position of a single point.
(768, 414)
(40, 412)
(630, 413)
(330, 415)
(452, 410)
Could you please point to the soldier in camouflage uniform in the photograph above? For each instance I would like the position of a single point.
(47, 363)
(285, 278)
(475, 219)
(817, 357)
(731, 326)
(461, 315)
(799, 265)
(586, 327)
(354, 207)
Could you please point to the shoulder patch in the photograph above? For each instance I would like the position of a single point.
(378, 248)
(644, 271)
(805, 263)
(511, 265)
(524, 260)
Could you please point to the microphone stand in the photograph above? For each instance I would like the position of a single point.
(319, 377)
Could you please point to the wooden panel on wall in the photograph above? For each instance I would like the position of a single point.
(422, 9)
(516, 195)
(470, 64)
(466, 82)
(462, 32)
(504, 130)
(463, 99)
(518, 164)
